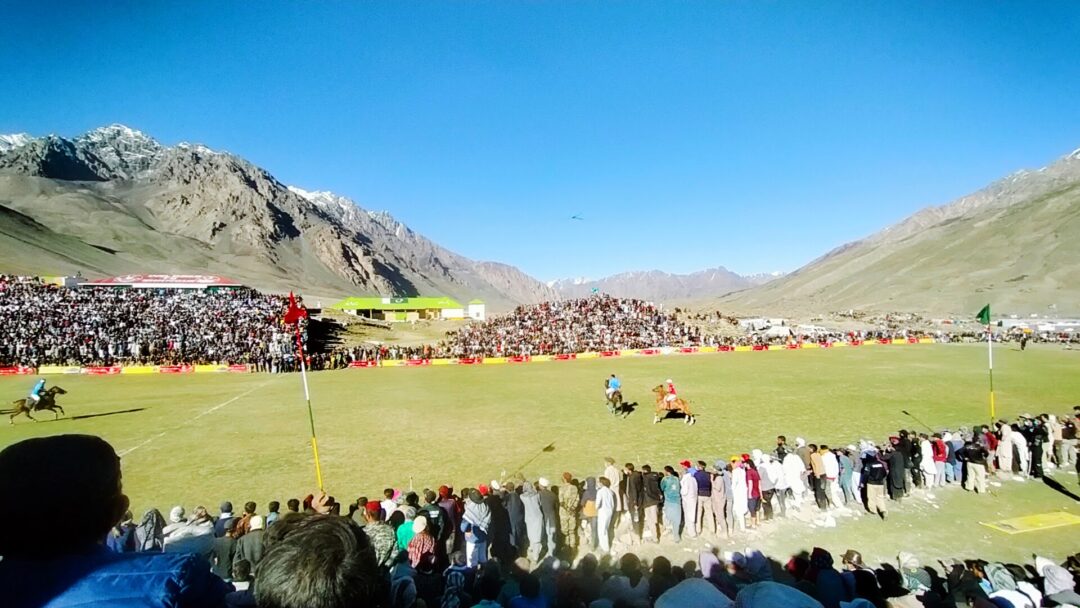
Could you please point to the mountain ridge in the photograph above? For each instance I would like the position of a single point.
(1012, 242)
(660, 286)
(190, 208)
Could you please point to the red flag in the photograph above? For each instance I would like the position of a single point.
(294, 313)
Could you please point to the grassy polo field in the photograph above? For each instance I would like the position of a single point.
(199, 439)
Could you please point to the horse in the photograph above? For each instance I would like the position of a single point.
(47, 402)
(615, 401)
(675, 405)
(617, 406)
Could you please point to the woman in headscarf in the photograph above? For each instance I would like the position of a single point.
(422, 544)
(176, 521)
(149, 536)
(474, 524)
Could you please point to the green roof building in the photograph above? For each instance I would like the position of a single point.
(402, 309)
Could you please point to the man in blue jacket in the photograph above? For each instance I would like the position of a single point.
(77, 480)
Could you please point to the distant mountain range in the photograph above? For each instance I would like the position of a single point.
(1014, 244)
(659, 286)
(115, 200)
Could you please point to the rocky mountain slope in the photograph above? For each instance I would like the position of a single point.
(658, 286)
(1014, 244)
(115, 200)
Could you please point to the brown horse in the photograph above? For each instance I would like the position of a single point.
(665, 406)
(48, 402)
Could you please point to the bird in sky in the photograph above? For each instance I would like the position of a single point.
(577, 217)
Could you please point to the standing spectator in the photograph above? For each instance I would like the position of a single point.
(689, 496)
(673, 509)
(847, 469)
(941, 456)
(549, 507)
(421, 548)
(817, 467)
(634, 494)
(515, 511)
(534, 519)
(704, 517)
(474, 525)
(569, 504)
(588, 510)
(740, 493)
(928, 464)
(272, 514)
(605, 513)
(250, 545)
(224, 519)
(652, 498)
(974, 456)
(874, 475)
(753, 491)
(721, 498)
(223, 552)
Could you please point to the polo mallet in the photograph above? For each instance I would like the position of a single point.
(909, 414)
(548, 448)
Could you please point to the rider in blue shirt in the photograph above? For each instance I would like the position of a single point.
(35, 393)
(613, 385)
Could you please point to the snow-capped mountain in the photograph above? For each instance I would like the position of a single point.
(127, 152)
(115, 200)
(659, 286)
(14, 140)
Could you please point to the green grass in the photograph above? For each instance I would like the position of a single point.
(467, 425)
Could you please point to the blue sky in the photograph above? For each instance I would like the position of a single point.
(754, 135)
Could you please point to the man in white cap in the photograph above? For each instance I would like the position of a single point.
(250, 545)
(549, 506)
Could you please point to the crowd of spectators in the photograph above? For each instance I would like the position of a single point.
(518, 543)
(598, 323)
(44, 324)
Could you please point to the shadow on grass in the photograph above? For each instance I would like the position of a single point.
(625, 409)
(85, 416)
(1054, 484)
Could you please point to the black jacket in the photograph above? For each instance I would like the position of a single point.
(635, 490)
(651, 495)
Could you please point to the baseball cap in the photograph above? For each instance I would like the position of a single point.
(685, 464)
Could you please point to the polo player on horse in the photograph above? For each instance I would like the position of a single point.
(613, 393)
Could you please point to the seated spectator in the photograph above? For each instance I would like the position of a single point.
(320, 560)
(65, 562)
(244, 596)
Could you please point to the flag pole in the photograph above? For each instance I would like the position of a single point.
(310, 413)
(990, 355)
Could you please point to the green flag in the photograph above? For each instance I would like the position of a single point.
(984, 315)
